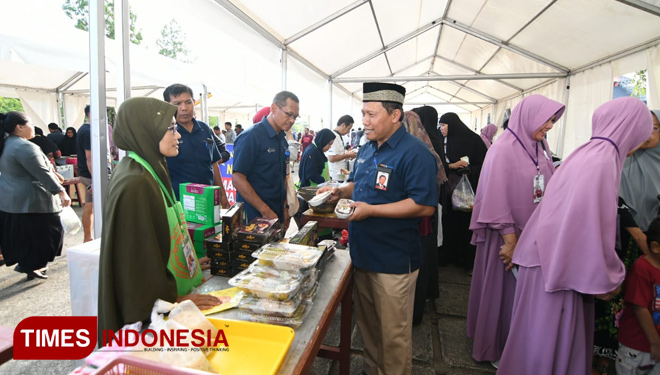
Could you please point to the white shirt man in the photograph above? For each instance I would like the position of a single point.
(337, 154)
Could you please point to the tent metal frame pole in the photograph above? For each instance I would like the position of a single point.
(477, 92)
(380, 35)
(98, 110)
(437, 42)
(618, 55)
(561, 139)
(459, 77)
(642, 5)
(205, 104)
(71, 81)
(454, 96)
(283, 63)
(413, 64)
(493, 40)
(224, 108)
(122, 35)
(533, 88)
(390, 46)
(150, 92)
(330, 104)
(324, 21)
(112, 89)
(477, 72)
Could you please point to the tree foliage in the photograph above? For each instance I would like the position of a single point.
(78, 10)
(10, 104)
(171, 42)
(639, 85)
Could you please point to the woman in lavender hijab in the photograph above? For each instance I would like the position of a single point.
(566, 253)
(487, 134)
(503, 204)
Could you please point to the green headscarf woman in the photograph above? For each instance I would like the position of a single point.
(142, 245)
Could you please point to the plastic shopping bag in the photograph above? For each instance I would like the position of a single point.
(462, 199)
(69, 220)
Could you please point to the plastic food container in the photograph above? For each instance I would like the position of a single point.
(288, 257)
(268, 306)
(275, 285)
(294, 321)
(342, 210)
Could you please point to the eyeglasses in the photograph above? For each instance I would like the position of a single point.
(172, 129)
(293, 116)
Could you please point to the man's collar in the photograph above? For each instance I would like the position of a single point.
(395, 138)
(269, 128)
(194, 127)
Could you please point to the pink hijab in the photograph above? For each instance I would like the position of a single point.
(571, 234)
(505, 194)
(487, 134)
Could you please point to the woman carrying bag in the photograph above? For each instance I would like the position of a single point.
(146, 252)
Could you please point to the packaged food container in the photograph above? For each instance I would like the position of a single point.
(287, 256)
(308, 295)
(294, 321)
(258, 231)
(269, 306)
(277, 285)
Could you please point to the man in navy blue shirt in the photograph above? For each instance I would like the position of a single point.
(260, 162)
(392, 185)
(198, 157)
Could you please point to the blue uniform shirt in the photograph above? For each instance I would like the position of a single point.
(196, 156)
(259, 154)
(387, 245)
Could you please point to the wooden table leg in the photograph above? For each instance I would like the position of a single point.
(345, 330)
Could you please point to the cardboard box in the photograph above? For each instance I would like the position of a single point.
(232, 219)
(246, 246)
(307, 235)
(199, 249)
(201, 203)
(242, 255)
(259, 230)
(219, 254)
(222, 271)
(241, 265)
(214, 242)
(220, 263)
(199, 232)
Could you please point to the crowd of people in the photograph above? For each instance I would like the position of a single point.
(548, 247)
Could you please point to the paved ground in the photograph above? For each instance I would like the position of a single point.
(440, 345)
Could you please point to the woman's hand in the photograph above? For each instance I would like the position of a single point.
(506, 251)
(610, 295)
(205, 263)
(64, 198)
(458, 165)
(203, 301)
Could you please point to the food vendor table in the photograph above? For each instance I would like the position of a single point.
(324, 220)
(83, 262)
(335, 287)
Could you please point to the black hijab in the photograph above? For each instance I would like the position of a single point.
(461, 141)
(46, 145)
(68, 145)
(429, 117)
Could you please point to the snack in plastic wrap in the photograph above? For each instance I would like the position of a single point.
(462, 199)
(294, 321)
(343, 209)
(269, 306)
(190, 316)
(278, 285)
(288, 257)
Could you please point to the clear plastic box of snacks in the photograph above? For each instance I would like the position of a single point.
(309, 293)
(294, 321)
(278, 284)
(287, 256)
(269, 306)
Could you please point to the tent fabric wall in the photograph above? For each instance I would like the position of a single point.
(41, 107)
(653, 77)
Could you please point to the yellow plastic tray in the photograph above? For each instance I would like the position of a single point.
(254, 348)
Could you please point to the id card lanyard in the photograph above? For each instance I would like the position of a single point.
(539, 180)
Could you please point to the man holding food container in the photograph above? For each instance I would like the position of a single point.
(384, 236)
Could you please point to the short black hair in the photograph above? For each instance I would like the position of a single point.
(87, 112)
(391, 107)
(176, 90)
(653, 233)
(216, 127)
(345, 119)
(239, 126)
(38, 131)
(228, 123)
(281, 97)
(505, 124)
(53, 126)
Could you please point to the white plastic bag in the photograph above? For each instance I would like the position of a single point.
(69, 220)
(462, 199)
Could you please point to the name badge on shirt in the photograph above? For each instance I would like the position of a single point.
(383, 173)
(188, 254)
(539, 188)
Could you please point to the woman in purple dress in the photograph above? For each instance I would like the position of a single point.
(487, 134)
(504, 201)
(566, 253)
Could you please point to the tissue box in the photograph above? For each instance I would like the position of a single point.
(201, 203)
(66, 171)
